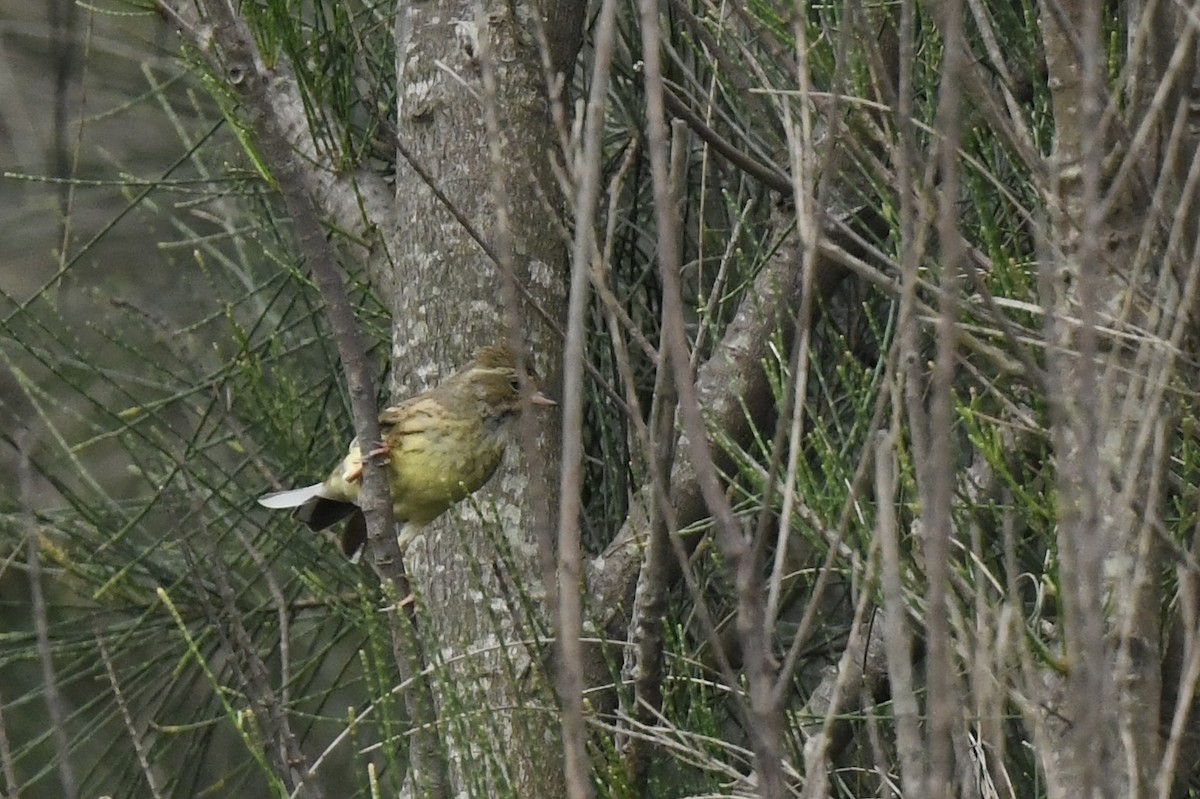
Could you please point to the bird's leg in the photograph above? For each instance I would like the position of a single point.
(354, 469)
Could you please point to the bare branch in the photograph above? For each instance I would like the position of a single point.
(937, 487)
(570, 556)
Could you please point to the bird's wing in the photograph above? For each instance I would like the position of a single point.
(293, 497)
(414, 415)
(389, 417)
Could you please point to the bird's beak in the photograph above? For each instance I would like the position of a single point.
(539, 398)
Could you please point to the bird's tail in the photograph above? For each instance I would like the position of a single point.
(292, 498)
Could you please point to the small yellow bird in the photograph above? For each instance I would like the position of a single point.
(441, 445)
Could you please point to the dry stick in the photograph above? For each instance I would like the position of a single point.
(1032, 674)
(1166, 773)
(905, 386)
(756, 647)
(355, 203)
(237, 60)
(1012, 129)
(570, 556)
(750, 582)
(726, 66)
(139, 746)
(804, 169)
(691, 91)
(653, 586)
(763, 173)
(282, 614)
(1165, 777)
(860, 668)
(896, 634)
(1150, 122)
(728, 380)
(555, 84)
(1147, 570)
(803, 162)
(897, 289)
(653, 583)
(881, 755)
(1076, 79)
(717, 293)
(805, 211)
(1012, 125)
(618, 320)
(718, 757)
(858, 485)
(657, 447)
(986, 648)
(733, 368)
(1024, 361)
(938, 488)
(55, 707)
(1158, 349)
(809, 219)
(1188, 680)
(6, 759)
(281, 746)
(1155, 359)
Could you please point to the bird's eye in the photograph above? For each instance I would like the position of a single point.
(515, 383)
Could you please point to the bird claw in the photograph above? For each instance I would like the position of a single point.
(382, 449)
(354, 472)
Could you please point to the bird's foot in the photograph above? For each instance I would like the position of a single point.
(380, 451)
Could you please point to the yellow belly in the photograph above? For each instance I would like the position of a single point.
(430, 471)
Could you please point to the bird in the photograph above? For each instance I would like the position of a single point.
(440, 445)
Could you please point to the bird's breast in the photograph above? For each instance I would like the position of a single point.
(439, 464)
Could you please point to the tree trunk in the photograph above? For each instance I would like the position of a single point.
(449, 296)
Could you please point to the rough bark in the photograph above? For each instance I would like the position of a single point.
(448, 297)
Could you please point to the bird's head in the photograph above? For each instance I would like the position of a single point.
(492, 380)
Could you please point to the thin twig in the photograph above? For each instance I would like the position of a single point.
(937, 488)
(55, 706)
(905, 393)
(6, 758)
(281, 747)
(653, 583)
(135, 737)
(570, 571)
(283, 613)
